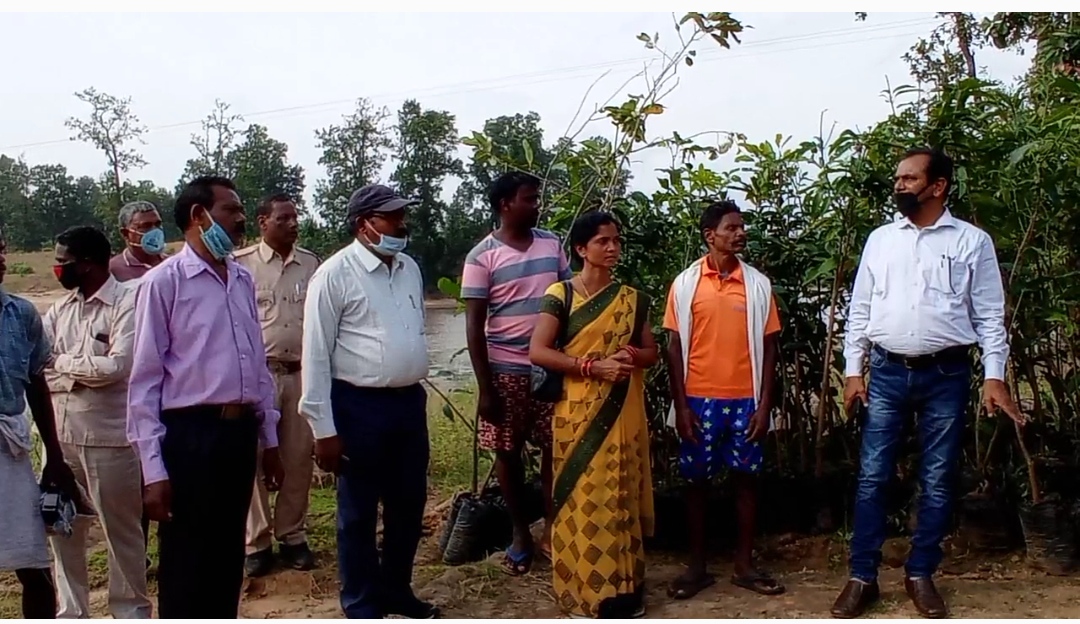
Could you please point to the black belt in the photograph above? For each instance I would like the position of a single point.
(282, 367)
(383, 391)
(229, 411)
(950, 355)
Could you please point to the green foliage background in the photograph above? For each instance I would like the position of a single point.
(811, 206)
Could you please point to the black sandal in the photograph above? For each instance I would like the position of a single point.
(758, 582)
(685, 587)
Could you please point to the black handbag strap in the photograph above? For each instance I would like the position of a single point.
(564, 319)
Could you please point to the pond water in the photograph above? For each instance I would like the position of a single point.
(450, 367)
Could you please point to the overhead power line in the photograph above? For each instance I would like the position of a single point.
(756, 48)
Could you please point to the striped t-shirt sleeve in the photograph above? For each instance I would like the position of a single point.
(564, 266)
(476, 276)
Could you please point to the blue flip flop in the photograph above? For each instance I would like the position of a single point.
(518, 564)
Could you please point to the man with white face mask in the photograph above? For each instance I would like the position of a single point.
(140, 227)
(364, 353)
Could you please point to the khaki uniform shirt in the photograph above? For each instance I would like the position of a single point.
(280, 287)
(92, 344)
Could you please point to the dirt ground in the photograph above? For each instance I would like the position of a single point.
(811, 568)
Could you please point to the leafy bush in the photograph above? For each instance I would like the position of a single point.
(813, 205)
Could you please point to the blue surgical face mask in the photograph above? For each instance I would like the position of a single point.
(153, 241)
(217, 240)
(390, 245)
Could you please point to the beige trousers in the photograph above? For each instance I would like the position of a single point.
(111, 483)
(295, 444)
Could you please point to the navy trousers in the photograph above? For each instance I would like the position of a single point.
(384, 436)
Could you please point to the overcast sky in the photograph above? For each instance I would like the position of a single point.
(790, 68)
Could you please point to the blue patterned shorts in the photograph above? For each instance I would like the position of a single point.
(721, 441)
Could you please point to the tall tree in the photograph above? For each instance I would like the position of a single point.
(111, 127)
(213, 144)
(259, 166)
(353, 154)
(506, 142)
(948, 54)
(426, 152)
(38, 202)
(15, 211)
(59, 201)
(465, 223)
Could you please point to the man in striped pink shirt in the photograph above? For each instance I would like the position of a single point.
(503, 281)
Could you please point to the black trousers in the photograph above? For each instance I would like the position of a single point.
(384, 434)
(211, 466)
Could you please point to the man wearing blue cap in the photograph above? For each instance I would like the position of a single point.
(364, 353)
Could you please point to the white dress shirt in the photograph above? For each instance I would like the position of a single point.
(364, 325)
(920, 291)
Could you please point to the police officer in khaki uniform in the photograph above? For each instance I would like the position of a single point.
(281, 271)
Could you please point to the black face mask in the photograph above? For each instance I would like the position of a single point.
(908, 203)
(67, 276)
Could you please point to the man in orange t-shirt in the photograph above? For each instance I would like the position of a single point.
(717, 368)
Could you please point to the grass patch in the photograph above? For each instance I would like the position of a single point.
(451, 433)
(322, 521)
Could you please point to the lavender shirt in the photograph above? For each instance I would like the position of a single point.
(197, 342)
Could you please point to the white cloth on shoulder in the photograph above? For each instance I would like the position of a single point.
(758, 301)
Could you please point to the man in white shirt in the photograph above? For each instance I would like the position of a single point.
(364, 353)
(927, 289)
(92, 331)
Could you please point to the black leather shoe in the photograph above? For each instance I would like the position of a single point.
(259, 564)
(298, 557)
(411, 609)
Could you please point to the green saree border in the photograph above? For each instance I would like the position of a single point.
(591, 310)
(586, 449)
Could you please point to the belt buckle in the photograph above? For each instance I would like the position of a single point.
(231, 411)
(281, 368)
(916, 362)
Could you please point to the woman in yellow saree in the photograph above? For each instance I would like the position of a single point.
(602, 499)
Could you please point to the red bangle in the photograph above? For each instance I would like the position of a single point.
(588, 367)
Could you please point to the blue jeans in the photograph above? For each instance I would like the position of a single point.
(937, 396)
(383, 433)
